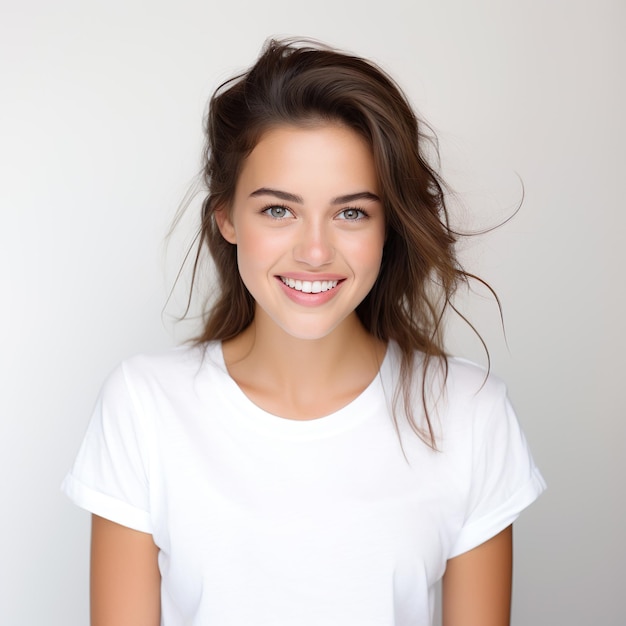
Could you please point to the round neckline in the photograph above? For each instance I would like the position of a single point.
(365, 404)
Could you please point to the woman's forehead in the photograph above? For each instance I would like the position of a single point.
(329, 157)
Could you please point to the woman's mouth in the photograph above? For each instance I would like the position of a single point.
(309, 286)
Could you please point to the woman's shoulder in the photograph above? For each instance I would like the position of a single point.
(166, 368)
(188, 354)
(460, 377)
(475, 400)
(465, 377)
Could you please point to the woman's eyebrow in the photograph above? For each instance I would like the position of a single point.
(283, 195)
(351, 197)
(290, 197)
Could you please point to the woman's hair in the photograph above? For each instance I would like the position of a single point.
(306, 84)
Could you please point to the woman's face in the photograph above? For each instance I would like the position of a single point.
(309, 227)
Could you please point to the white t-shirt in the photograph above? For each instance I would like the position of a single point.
(262, 520)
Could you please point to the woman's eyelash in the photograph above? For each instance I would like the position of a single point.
(269, 211)
(349, 214)
(353, 214)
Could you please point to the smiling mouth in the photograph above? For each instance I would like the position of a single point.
(309, 286)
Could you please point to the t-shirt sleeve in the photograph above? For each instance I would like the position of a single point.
(110, 474)
(504, 478)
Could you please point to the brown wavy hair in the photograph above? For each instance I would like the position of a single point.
(305, 83)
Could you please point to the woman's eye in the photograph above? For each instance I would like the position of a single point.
(277, 212)
(351, 214)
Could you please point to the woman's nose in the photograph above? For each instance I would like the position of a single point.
(314, 246)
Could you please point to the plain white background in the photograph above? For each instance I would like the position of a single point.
(100, 132)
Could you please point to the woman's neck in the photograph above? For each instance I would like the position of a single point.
(302, 378)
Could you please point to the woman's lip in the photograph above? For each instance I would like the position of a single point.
(310, 299)
(311, 277)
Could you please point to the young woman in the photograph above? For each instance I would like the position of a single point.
(315, 457)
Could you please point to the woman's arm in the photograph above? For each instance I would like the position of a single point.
(477, 584)
(125, 579)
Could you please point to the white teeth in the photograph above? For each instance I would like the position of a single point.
(308, 286)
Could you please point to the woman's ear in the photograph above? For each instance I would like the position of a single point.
(224, 223)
